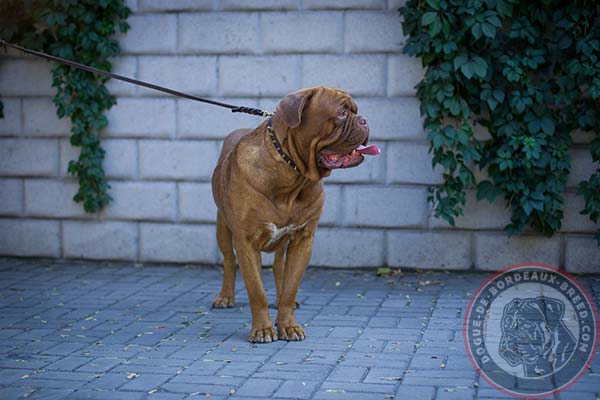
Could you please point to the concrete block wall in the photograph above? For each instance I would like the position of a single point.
(161, 150)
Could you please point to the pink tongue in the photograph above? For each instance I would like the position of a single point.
(371, 150)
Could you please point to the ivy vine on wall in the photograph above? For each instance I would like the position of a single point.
(529, 72)
(80, 30)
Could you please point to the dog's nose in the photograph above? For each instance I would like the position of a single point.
(363, 121)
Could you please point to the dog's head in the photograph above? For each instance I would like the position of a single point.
(530, 330)
(322, 131)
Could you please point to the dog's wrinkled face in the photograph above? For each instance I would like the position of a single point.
(533, 334)
(324, 129)
(525, 338)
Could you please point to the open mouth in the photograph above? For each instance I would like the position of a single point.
(352, 159)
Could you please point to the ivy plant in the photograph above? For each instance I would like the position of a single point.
(528, 72)
(80, 30)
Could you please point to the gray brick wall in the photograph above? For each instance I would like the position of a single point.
(161, 150)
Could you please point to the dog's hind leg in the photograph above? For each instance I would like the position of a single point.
(226, 298)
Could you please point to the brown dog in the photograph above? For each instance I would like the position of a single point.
(269, 194)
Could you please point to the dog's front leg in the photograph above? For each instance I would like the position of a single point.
(249, 260)
(298, 255)
(278, 272)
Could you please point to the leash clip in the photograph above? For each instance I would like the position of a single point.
(252, 111)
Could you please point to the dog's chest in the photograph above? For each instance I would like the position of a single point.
(276, 234)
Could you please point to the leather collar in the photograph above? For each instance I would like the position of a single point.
(277, 145)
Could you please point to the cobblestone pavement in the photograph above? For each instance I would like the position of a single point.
(74, 330)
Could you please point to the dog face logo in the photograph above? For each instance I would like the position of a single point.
(530, 330)
(535, 336)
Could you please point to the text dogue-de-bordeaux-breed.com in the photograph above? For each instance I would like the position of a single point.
(269, 193)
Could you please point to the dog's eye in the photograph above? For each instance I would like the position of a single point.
(342, 114)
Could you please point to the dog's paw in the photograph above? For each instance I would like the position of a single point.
(262, 335)
(290, 332)
(222, 301)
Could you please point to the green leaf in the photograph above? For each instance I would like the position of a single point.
(488, 30)
(487, 190)
(499, 95)
(450, 47)
(435, 27)
(479, 66)
(428, 18)
(467, 69)
(527, 207)
(503, 8)
(530, 77)
(534, 125)
(459, 61)
(435, 4)
(547, 125)
(83, 32)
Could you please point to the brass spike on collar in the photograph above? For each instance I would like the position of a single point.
(277, 145)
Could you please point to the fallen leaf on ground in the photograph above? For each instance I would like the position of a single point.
(428, 283)
(389, 272)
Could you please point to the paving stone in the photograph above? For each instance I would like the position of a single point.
(415, 392)
(69, 363)
(242, 369)
(15, 392)
(342, 394)
(9, 376)
(191, 388)
(296, 389)
(52, 383)
(64, 349)
(366, 388)
(62, 375)
(454, 393)
(347, 374)
(220, 379)
(258, 387)
(110, 381)
(50, 394)
(106, 395)
(386, 374)
(146, 382)
(88, 327)
(100, 364)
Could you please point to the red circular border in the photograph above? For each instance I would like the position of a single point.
(594, 346)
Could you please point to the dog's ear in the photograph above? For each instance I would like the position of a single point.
(553, 310)
(291, 106)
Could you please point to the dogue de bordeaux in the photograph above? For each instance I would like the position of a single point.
(268, 188)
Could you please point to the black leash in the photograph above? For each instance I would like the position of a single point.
(235, 109)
